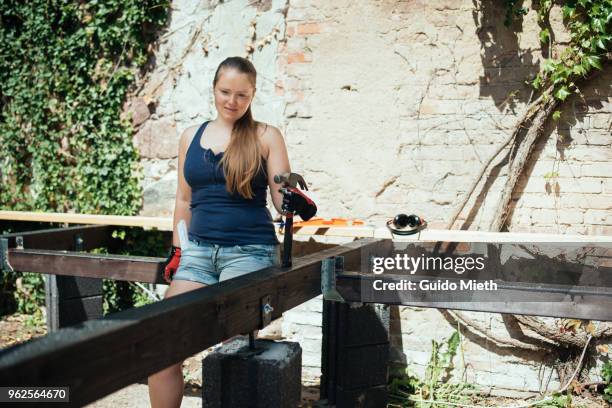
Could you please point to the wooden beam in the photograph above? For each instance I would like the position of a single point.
(99, 357)
(160, 223)
(545, 300)
(544, 279)
(92, 236)
(360, 231)
(433, 235)
(117, 267)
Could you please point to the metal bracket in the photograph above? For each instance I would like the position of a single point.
(78, 242)
(4, 262)
(19, 242)
(330, 268)
(265, 311)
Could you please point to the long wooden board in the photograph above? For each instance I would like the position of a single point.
(160, 223)
(367, 231)
(118, 267)
(91, 236)
(99, 357)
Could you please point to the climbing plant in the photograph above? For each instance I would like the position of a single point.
(567, 69)
(65, 70)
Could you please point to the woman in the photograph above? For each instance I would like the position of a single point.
(224, 169)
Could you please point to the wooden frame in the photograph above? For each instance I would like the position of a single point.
(98, 357)
(101, 356)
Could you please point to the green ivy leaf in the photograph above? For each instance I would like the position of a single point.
(599, 25)
(556, 116)
(568, 11)
(562, 93)
(548, 65)
(544, 36)
(594, 61)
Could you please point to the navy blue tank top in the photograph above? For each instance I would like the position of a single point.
(220, 217)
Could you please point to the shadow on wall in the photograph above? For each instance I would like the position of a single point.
(506, 66)
(573, 121)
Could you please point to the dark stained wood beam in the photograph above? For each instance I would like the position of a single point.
(99, 357)
(93, 236)
(542, 300)
(117, 267)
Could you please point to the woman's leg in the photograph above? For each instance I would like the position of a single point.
(166, 386)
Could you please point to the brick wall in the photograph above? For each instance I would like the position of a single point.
(390, 106)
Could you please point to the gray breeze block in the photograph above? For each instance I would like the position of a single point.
(269, 377)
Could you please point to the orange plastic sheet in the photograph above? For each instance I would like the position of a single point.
(329, 222)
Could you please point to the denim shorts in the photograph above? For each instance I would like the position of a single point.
(212, 263)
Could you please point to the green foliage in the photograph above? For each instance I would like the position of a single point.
(557, 401)
(606, 373)
(589, 23)
(138, 242)
(514, 10)
(65, 69)
(435, 387)
(118, 295)
(22, 292)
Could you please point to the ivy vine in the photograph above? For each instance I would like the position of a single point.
(65, 70)
(589, 23)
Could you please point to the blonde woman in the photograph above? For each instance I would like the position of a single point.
(224, 170)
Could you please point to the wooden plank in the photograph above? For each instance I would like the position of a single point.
(515, 298)
(93, 236)
(118, 267)
(161, 223)
(360, 231)
(102, 356)
(433, 235)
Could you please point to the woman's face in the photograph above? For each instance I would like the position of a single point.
(233, 94)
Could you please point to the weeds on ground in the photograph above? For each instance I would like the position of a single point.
(434, 390)
(606, 373)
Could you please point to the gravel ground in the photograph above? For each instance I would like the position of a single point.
(137, 396)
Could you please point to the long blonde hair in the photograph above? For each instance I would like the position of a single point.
(242, 158)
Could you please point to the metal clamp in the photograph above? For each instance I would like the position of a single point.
(78, 242)
(330, 268)
(266, 310)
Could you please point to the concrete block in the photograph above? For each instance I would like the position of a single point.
(64, 313)
(269, 376)
(364, 325)
(364, 366)
(69, 287)
(70, 300)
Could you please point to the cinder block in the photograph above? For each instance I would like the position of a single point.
(364, 325)
(270, 376)
(69, 287)
(71, 300)
(64, 313)
(363, 366)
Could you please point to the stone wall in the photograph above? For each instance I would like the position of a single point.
(387, 107)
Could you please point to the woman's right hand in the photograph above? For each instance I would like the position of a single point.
(172, 263)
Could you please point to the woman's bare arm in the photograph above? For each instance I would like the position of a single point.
(277, 162)
(182, 210)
